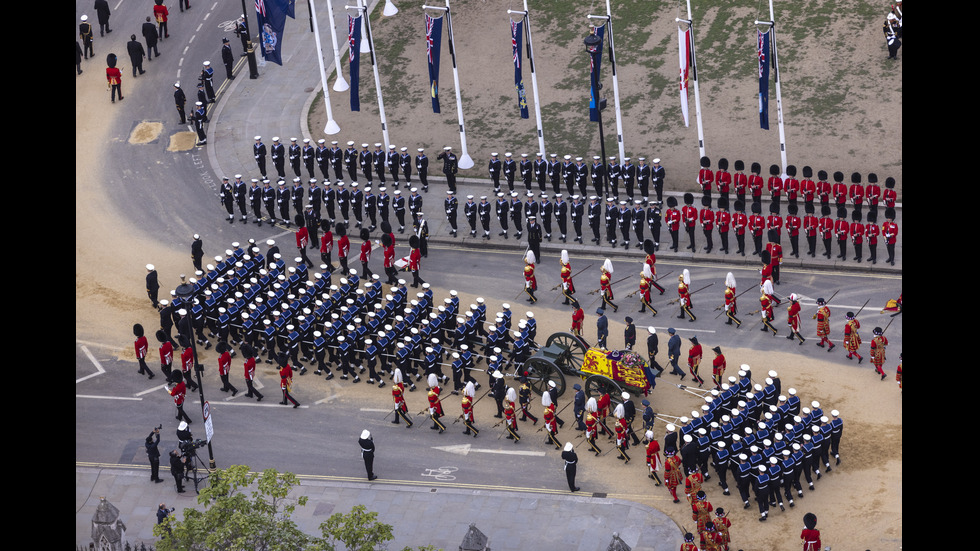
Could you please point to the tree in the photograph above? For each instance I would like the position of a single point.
(358, 530)
(236, 518)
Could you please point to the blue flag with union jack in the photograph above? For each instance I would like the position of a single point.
(763, 52)
(271, 20)
(595, 64)
(354, 50)
(433, 45)
(516, 38)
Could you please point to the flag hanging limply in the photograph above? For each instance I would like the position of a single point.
(595, 64)
(354, 40)
(516, 38)
(271, 19)
(291, 8)
(763, 52)
(433, 46)
(684, 56)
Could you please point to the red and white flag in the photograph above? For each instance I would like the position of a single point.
(684, 57)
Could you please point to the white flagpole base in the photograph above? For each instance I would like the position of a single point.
(340, 85)
(465, 162)
(390, 9)
(332, 127)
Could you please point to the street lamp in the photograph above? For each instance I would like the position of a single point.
(593, 46)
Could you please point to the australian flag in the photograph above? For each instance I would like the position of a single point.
(354, 40)
(595, 63)
(763, 51)
(271, 19)
(516, 38)
(433, 45)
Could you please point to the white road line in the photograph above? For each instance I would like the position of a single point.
(107, 397)
(464, 449)
(376, 410)
(154, 389)
(98, 366)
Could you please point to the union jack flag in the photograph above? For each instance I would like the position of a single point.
(260, 7)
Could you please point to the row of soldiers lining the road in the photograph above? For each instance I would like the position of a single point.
(767, 300)
(395, 163)
(339, 201)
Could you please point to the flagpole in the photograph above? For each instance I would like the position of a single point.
(615, 79)
(534, 81)
(779, 94)
(362, 7)
(465, 161)
(332, 127)
(697, 89)
(339, 85)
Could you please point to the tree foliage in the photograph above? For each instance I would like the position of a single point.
(245, 510)
(242, 510)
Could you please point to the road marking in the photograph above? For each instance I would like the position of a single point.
(95, 362)
(464, 449)
(107, 397)
(376, 410)
(154, 389)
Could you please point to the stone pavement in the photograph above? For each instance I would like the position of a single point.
(436, 514)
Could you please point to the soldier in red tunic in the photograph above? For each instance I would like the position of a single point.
(823, 324)
(756, 184)
(689, 213)
(765, 302)
(872, 193)
(723, 219)
(530, 282)
(810, 534)
(706, 177)
(707, 218)
(842, 229)
(646, 280)
(343, 247)
(791, 186)
(550, 422)
(435, 404)
(567, 287)
(793, 318)
(178, 392)
(890, 195)
(871, 232)
(701, 510)
(839, 190)
(856, 192)
(673, 220)
(692, 484)
(605, 285)
(740, 221)
(740, 181)
(857, 234)
(722, 525)
(415, 261)
(878, 344)
(651, 260)
(718, 366)
(467, 404)
(578, 316)
(653, 457)
(775, 186)
(286, 382)
(826, 230)
(757, 224)
(398, 395)
(684, 295)
(141, 345)
(852, 339)
(889, 230)
(723, 178)
(824, 189)
(673, 472)
(688, 544)
(510, 415)
(811, 226)
(592, 424)
(622, 433)
(694, 360)
(808, 188)
(731, 303)
(898, 374)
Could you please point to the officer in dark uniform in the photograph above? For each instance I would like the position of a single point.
(366, 160)
(451, 207)
(227, 58)
(180, 99)
(541, 172)
(207, 78)
(643, 175)
(577, 212)
(561, 215)
(269, 198)
(199, 117)
(391, 162)
(534, 237)
(309, 157)
(350, 160)
(379, 160)
(483, 209)
(259, 152)
(493, 168)
(595, 217)
(255, 198)
(295, 155)
(653, 221)
(502, 209)
(405, 165)
(554, 172)
(398, 204)
(371, 208)
(282, 200)
(614, 172)
(510, 171)
(516, 213)
(450, 166)
(527, 170)
(469, 210)
(657, 175)
(422, 168)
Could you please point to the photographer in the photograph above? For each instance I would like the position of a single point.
(177, 463)
(153, 453)
(163, 512)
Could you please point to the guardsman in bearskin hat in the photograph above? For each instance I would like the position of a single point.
(706, 177)
(673, 219)
(889, 230)
(775, 185)
(689, 214)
